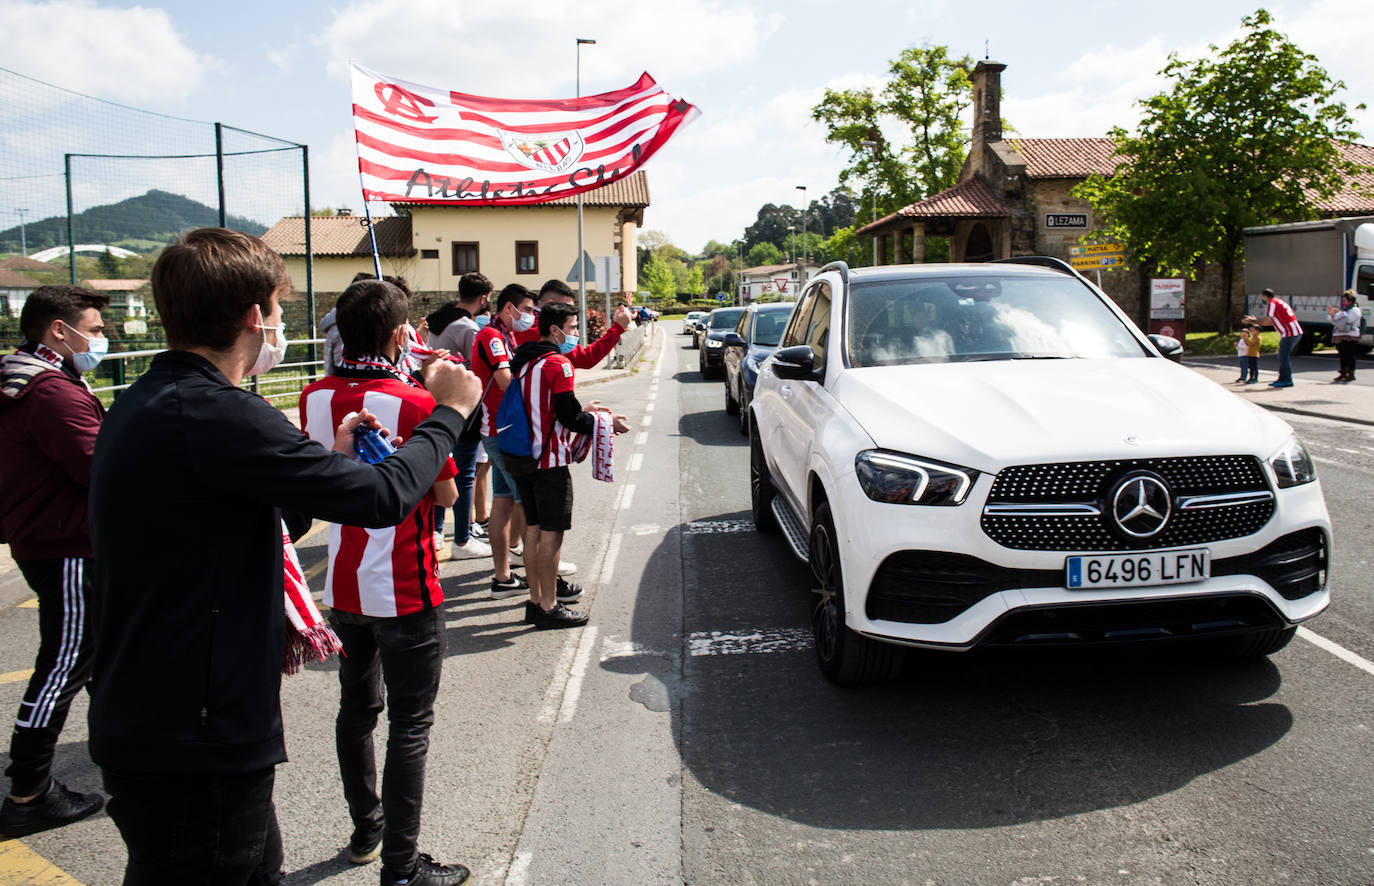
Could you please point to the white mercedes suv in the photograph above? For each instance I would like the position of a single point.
(994, 455)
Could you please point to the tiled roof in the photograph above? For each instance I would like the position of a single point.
(23, 263)
(968, 199)
(114, 285)
(1360, 198)
(632, 192)
(15, 280)
(341, 235)
(1067, 157)
(765, 270)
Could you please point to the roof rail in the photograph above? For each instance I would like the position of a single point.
(837, 266)
(1044, 261)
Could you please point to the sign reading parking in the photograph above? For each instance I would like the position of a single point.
(1097, 256)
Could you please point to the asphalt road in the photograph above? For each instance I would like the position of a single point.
(686, 735)
(1320, 366)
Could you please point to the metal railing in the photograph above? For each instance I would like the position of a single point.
(282, 375)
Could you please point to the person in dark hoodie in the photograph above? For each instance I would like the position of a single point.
(545, 375)
(185, 717)
(48, 424)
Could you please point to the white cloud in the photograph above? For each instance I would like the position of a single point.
(502, 49)
(128, 55)
(1330, 30)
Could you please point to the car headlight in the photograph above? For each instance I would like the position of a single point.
(1292, 465)
(714, 343)
(903, 480)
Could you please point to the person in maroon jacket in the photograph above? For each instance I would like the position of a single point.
(48, 424)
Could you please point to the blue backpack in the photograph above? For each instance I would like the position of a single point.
(513, 433)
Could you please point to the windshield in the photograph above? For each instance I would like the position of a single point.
(981, 317)
(725, 318)
(769, 326)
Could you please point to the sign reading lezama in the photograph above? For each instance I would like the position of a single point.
(419, 144)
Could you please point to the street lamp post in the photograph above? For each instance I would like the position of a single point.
(581, 265)
(792, 241)
(23, 237)
(873, 186)
(802, 188)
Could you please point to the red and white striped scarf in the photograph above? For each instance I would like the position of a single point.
(603, 448)
(308, 638)
(370, 363)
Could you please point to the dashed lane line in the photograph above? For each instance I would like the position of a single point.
(1337, 650)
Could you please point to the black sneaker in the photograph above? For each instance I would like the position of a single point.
(531, 612)
(567, 592)
(429, 872)
(560, 616)
(511, 587)
(366, 844)
(57, 807)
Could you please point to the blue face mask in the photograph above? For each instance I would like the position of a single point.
(97, 348)
(482, 320)
(569, 342)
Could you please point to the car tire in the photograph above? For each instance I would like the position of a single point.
(731, 403)
(1258, 644)
(845, 657)
(743, 412)
(761, 491)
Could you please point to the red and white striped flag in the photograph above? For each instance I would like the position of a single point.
(418, 144)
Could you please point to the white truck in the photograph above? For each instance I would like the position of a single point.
(1309, 265)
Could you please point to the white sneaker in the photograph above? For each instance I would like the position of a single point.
(517, 559)
(473, 550)
(440, 551)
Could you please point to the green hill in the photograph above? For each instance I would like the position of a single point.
(141, 223)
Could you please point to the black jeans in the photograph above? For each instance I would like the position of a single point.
(1348, 350)
(217, 830)
(62, 667)
(407, 654)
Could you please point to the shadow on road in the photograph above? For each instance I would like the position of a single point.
(961, 741)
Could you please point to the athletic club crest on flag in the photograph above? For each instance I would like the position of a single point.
(421, 144)
(548, 152)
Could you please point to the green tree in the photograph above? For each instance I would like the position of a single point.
(1246, 136)
(764, 254)
(657, 277)
(926, 92)
(696, 283)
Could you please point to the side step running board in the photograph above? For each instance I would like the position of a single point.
(792, 528)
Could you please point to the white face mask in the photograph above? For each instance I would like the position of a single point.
(523, 321)
(269, 355)
(96, 348)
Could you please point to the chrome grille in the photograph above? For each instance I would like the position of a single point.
(1229, 495)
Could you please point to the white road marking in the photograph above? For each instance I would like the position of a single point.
(553, 696)
(1337, 650)
(641, 438)
(628, 497)
(614, 647)
(648, 420)
(649, 407)
(636, 461)
(761, 641)
(608, 564)
(704, 527)
(519, 872)
(1351, 451)
(579, 670)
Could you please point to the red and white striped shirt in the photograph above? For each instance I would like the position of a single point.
(540, 382)
(491, 350)
(1284, 319)
(378, 572)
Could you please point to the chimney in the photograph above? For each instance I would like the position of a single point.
(343, 211)
(987, 103)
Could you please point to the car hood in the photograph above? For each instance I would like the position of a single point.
(992, 414)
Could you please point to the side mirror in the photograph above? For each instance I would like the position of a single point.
(1169, 346)
(796, 362)
(733, 340)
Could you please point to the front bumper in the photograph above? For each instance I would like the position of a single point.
(930, 576)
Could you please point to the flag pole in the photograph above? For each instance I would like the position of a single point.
(581, 264)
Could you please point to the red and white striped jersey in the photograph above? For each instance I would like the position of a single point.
(540, 382)
(378, 572)
(491, 350)
(1285, 321)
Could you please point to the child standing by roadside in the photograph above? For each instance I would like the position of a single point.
(1250, 370)
(1241, 348)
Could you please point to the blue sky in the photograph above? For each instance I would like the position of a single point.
(753, 68)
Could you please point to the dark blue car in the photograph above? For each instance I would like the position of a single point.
(756, 335)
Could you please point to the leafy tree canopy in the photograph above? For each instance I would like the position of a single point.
(926, 92)
(764, 254)
(1245, 136)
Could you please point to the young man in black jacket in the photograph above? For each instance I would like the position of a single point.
(185, 718)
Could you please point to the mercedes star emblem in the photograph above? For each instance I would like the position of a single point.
(1141, 505)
